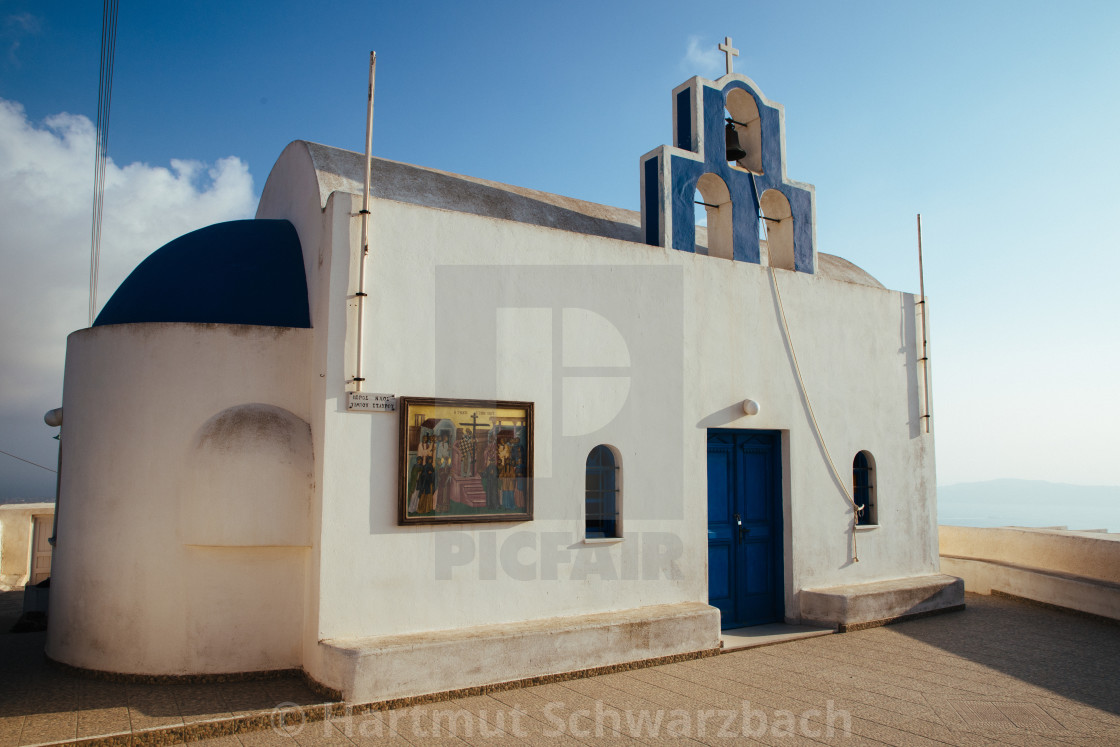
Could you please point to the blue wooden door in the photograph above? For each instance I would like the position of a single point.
(745, 578)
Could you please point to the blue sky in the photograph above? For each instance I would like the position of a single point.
(995, 120)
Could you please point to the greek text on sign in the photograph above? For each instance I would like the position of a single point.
(370, 402)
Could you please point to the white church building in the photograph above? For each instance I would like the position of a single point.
(522, 435)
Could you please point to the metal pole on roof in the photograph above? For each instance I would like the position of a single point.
(365, 224)
(925, 328)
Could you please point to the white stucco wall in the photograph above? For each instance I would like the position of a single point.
(858, 354)
(292, 193)
(151, 573)
(17, 528)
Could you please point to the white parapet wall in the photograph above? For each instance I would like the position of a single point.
(17, 521)
(1076, 570)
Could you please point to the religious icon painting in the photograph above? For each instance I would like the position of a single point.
(464, 460)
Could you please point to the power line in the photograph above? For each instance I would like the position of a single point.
(13, 456)
(104, 94)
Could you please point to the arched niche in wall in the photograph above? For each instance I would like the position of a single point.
(248, 480)
(779, 228)
(717, 203)
(743, 110)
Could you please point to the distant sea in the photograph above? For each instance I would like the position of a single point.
(1029, 503)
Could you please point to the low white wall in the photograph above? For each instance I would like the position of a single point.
(135, 588)
(1077, 570)
(16, 529)
(1091, 555)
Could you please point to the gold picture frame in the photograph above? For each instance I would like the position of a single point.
(464, 460)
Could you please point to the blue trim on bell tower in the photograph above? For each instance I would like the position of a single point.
(670, 174)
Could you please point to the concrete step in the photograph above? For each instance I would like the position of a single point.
(737, 639)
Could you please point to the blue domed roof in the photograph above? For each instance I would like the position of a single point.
(240, 272)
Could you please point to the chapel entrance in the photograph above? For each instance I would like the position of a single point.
(745, 559)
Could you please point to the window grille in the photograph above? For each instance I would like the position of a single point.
(601, 496)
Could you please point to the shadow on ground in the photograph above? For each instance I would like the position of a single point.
(1071, 655)
(1001, 672)
(11, 607)
(31, 686)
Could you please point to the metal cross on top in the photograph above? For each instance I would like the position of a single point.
(730, 51)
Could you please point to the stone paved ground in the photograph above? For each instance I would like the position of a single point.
(11, 606)
(1000, 673)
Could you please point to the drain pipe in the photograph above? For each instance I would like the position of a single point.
(361, 294)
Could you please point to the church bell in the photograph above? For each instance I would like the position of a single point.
(735, 151)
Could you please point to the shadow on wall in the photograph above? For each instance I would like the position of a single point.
(911, 329)
(1068, 654)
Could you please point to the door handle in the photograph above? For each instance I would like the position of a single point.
(739, 523)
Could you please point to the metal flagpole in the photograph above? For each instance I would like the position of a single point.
(925, 328)
(365, 223)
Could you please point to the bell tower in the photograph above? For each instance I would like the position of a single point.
(728, 145)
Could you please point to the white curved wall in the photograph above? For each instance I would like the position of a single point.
(129, 593)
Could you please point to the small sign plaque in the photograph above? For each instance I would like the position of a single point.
(370, 402)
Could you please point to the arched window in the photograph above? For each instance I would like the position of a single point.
(863, 488)
(601, 502)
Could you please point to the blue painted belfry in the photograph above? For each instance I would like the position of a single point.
(738, 186)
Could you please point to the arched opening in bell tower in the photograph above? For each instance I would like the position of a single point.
(716, 201)
(745, 122)
(778, 219)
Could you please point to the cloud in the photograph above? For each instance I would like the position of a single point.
(14, 27)
(704, 60)
(23, 22)
(46, 179)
